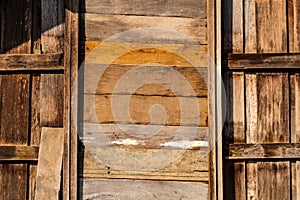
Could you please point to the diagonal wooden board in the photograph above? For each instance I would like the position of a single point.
(49, 164)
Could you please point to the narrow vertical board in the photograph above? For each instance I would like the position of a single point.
(252, 181)
(271, 26)
(237, 26)
(239, 132)
(50, 164)
(273, 127)
(15, 26)
(294, 25)
(250, 27)
(52, 26)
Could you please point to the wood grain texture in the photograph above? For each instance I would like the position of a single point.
(102, 27)
(114, 108)
(50, 164)
(294, 27)
(19, 153)
(260, 151)
(263, 61)
(271, 26)
(250, 26)
(142, 189)
(23, 62)
(237, 26)
(175, 8)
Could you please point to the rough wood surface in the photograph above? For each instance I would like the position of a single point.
(100, 27)
(181, 8)
(237, 26)
(268, 151)
(22, 62)
(142, 189)
(263, 61)
(50, 164)
(250, 27)
(18, 153)
(294, 28)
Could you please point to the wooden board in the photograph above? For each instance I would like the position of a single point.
(181, 8)
(100, 27)
(142, 189)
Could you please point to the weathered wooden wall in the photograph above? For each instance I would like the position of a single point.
(102, 19)
(262, 83)
(31, 95)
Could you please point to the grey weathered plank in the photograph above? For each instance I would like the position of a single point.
(50, 164)
(22, 62)
(170, 30)
(142, 189)
(181, 8)
(19, 153)
(267, 151)
(263, 61)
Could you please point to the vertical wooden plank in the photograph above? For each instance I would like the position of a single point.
(239, 132)
(295, 131)
(71, 68)
(294, 25)
(237, 26)
(14, 106)
(273, 127)
(250, 27)
(271, 26)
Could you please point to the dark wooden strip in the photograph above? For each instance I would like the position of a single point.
(182, 8)
(264, 151)
(260, 61)
(19, 153)
(21, 62)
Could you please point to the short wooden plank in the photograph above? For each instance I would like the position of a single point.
(101, 27)
(50, 164)
(146, 109)
(181, 8)
(19, 153)
(23, 62)
(271, 26)
(268, 151)
(294, 27)
(142, 189)
(251, 180)
(237, 26)
(263, 61)
(250, 26)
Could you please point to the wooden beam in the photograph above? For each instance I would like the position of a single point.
(264, 61)
(264, 151)
(19, 153)
(21, 62)
(50, 164)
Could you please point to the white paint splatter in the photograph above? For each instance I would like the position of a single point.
(185, 144)
(126, 142)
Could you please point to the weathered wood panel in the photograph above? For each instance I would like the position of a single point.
(294, 28)
(18, 153)
(100, 27)
(181, 8)
(142, 189)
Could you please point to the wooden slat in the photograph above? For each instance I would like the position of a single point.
(182, 8)
(237, 26)
(271, 26)
(294, 28)
(264, 151)
(250, 27)
(50, 164)
(100, 27)
(142, 189)
(264, 61)
(23, 62)
(19, 153)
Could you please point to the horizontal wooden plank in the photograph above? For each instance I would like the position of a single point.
(19, 153)
(264, 61)
(121, 189)
(120, 53)
(165, 30)
(162, 164)
(152, 80)
(138, 109)
(264, 151)
(182, 8)
(144, 136)
(23, 62)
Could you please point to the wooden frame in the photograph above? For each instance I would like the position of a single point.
(215, 98)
